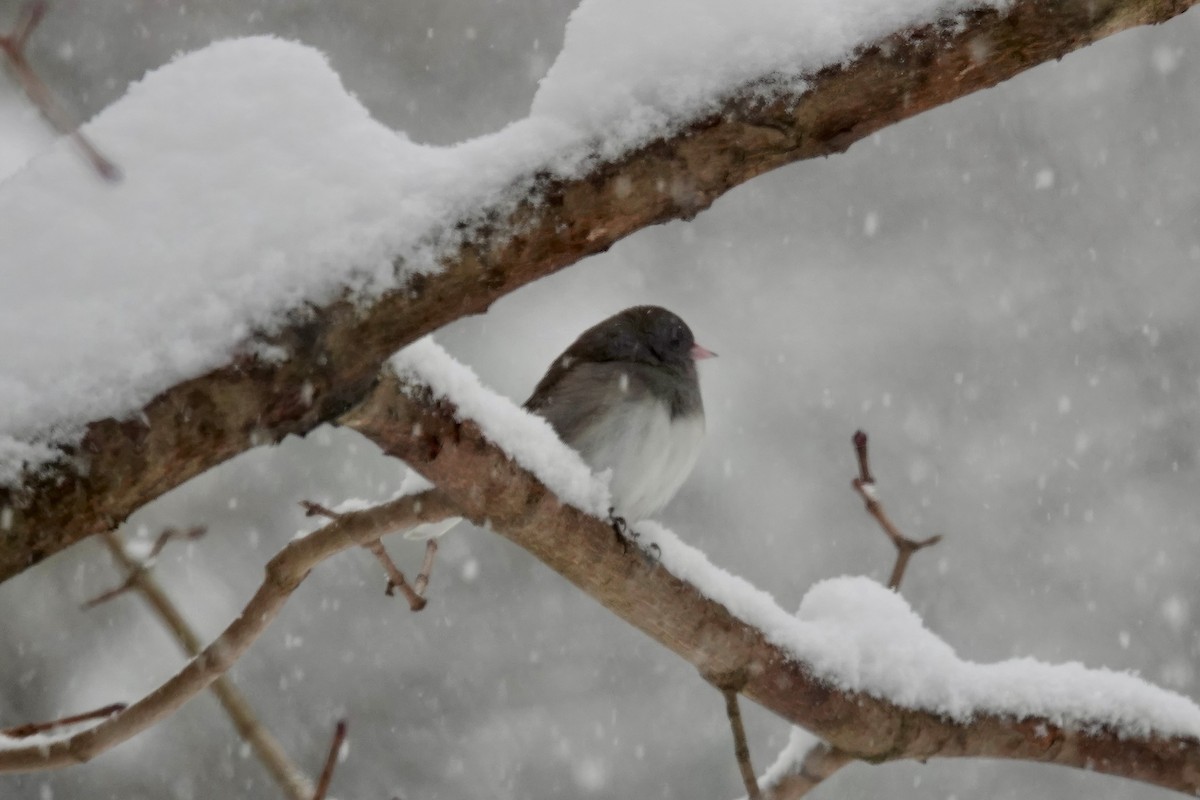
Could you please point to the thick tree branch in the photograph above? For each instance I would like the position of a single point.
(284, 573)
(485, 485)
(335, 352)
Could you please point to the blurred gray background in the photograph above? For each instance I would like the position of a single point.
(1002, 292)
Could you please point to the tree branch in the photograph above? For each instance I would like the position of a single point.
(334, 353)
(289, 777)
(284, 573)
(484, 484)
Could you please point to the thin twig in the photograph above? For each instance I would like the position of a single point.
(864, 484)
(266, 748)
(134, 569)
(741, 748)
(339, 736)
(422, 582)
(31, 16)
(396, 580)
(13, 46)
(31, 728)
(730, 684)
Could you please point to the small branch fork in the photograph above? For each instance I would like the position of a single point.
(822, 760)
(864, 484)
(12, 47)
(136, 571)
(415, 593)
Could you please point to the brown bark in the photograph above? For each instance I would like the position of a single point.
(478, 479)
(335, 352)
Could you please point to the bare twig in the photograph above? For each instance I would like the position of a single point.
(730, 684)
(284, 573)
(339, 736)
(741, 748)
(864, 484)
(312, 509)
(13, 47)
(135, 569)
(396, 580)
(32, 728)
(422, 582)
(31, 16)
(822, 760)
(267, 749)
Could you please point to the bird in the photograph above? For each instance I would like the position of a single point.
(626, 396)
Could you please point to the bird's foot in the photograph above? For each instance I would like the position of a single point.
(627, 535)
(620, 529)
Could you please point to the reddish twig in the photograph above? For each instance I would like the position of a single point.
(396, 580)
(741, 748)
(864, 484)
(31, 728)
(136, 570)
(13, 47)
(730, 684)
(422, 582)
(339, 736)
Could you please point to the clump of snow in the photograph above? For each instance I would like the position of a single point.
(862, 637)
(526, 437)
(630, 69)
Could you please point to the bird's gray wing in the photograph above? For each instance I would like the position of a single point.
(575, 398)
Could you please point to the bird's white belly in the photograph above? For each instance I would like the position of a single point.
(649, 455)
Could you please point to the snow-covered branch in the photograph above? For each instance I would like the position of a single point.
(91, 453)
(855, 666)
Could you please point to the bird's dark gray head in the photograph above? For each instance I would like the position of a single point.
(642, 334)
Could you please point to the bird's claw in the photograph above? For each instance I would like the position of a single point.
(621, 530)
(626, 535)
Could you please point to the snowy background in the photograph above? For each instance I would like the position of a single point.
(1002, 292)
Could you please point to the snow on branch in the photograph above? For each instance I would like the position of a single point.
(364, 241)
(855, 665)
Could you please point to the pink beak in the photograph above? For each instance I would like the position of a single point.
(698, 353)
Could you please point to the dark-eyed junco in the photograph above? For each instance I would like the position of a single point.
(626, 396)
